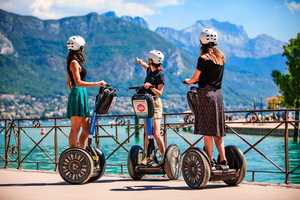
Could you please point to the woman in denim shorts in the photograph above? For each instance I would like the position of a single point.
(156, 78)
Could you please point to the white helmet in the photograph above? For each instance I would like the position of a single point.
(75, 42)
(209, 36)
(156, 56)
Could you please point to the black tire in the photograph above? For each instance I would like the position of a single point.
(102, 165)
(172, 162)
(134, 156)
(236, 160)
(196, 168)
(75, 165)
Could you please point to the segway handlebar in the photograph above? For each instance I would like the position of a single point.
(139, 87)
(192, 83)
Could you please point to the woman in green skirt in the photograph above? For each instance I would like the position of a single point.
(78, 106)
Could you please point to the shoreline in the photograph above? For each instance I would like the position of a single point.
(259, 128)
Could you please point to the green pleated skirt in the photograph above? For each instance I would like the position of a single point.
(78, 104)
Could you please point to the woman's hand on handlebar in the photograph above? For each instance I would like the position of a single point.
(102, 83)
(187, 81)
(147, 85)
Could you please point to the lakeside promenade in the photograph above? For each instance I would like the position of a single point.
(37, 185)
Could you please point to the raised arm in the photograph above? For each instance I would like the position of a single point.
(143, 64)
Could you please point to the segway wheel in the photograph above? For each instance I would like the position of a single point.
(134, 158)
(236, 160)
(75, 165)
(195, 168)
(172, 162)
(99, 171)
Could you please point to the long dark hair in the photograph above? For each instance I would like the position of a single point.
(76, 55)
(157, 66)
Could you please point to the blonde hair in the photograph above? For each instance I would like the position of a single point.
(213, 53)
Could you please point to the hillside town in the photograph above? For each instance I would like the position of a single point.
(26, 106)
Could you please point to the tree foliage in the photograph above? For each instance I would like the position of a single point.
(289, 83)
(273, 102)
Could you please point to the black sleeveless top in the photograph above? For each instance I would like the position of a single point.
(82, 73)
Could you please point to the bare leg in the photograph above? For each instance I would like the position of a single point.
(156, 133)
(75, 128)
(85, 132)
(208, 142)
(220, 146)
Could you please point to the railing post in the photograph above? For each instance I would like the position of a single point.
(136, 127)
(128, 129)
(56, 145)
(296, 131)
(19, 146)
(97, 134)
(286, 146)
(165, 130)
(6, 144)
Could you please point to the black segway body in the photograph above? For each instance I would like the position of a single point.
(172, 162)
(196, 166)
(105, 99)
(237, 161)
(143, 105)
(197, 170)
(191, 97)
(99, 164)
(77, 165)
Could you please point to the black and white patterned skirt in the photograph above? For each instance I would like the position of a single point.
(209, 116)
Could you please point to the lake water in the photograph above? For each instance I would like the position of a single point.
(272, 147)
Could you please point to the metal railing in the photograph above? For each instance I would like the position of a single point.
(24, 140)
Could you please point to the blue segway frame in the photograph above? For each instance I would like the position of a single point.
(148, 116)
(102, 106)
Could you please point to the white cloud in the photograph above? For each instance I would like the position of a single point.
(163, 3)
(55, 9)
(292, 6)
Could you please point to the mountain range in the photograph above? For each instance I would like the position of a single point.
(33, 51)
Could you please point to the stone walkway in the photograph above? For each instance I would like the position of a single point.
(39, 185)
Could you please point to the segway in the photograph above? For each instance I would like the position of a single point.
(143, 105)
(197, 168)
(77, 165)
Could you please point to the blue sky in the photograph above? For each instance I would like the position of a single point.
(277, 18)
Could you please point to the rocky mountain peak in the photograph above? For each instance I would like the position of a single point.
(6, 46)
(137, 20)
(110, 14)
(233, 39)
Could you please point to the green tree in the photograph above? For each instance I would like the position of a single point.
(289, 83)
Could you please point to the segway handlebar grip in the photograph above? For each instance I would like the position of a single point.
(139, 87)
